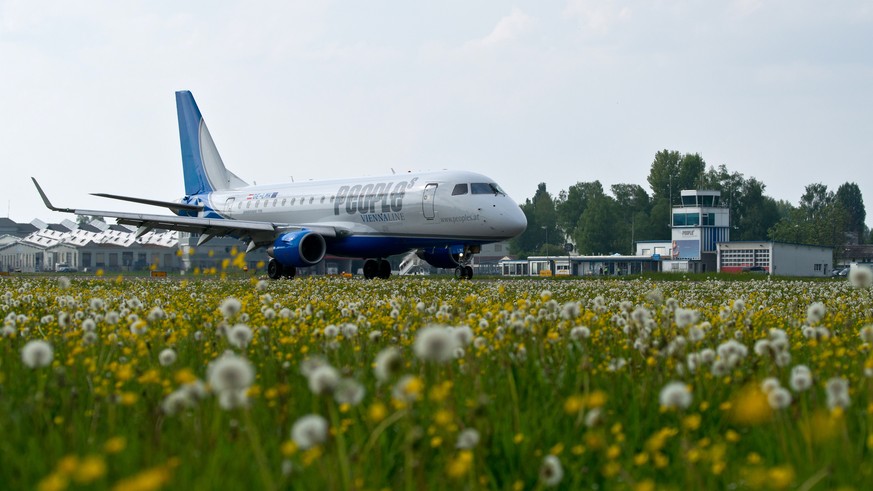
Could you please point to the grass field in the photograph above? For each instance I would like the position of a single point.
(330, 383)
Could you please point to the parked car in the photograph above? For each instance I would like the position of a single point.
(840, 272)
(754, 269)
(66, 269)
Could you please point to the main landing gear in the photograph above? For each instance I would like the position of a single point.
(377, 268)
(276, 270)
(463, 273)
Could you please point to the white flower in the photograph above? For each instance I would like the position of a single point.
(349, 391)
(867, 334)
(769, 384)
(239, 336)
(230, 307)
(675, 395)
(309, 431)
(838, 393)
(176, 402)
(779, 398)
(232, 399)
(167, 357)
(467, 439)
(695, 334)
(435, 343)
(139, 327)
(815, 313)
(323, 380)
(330, 331)
(463, 335)
(801, 378)
(230, 372)
(551, 471)
(37, 353)
(579, 333)
(860, 276)
(349, 331)
(685, 317)
(593, 417)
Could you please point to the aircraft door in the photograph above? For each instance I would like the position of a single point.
(427, 200)
(228, 205)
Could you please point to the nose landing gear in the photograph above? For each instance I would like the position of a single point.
(463, 273)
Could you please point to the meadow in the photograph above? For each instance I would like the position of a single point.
(420, 383)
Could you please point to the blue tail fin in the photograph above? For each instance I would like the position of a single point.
(202, 165)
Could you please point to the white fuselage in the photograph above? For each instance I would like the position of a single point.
(454, 205)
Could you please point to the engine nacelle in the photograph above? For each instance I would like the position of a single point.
(301, 249)
(447, 257)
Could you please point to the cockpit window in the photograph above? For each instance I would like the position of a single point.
(459, 189)
(486, 188)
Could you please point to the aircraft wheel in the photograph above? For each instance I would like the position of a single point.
(274, 269)
(459, 273)
(371, 269)
(384, 269)
(468, 272)
(289, 271)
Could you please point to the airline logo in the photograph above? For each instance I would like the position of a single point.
(379, 202)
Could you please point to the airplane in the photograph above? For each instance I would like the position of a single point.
(445, 216)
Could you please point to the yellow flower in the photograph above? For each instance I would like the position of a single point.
(780, 477)
(460, 465)
(53, 482)
(147, 480)
(115, 445)
(377, 412)
(750, 407)
(90, 469)
(574, 404)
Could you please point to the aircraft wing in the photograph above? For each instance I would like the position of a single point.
(257, 233)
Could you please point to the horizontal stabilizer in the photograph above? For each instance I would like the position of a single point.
(173, 206)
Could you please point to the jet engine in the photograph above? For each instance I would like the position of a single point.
(301, 249)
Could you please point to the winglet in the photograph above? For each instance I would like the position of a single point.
(48, 203)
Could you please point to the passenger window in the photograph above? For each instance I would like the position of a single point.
(459, 189)
(283, 201)
(293, 200)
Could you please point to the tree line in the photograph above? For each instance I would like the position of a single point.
(600, 221)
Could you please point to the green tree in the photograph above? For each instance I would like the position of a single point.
(849, 196)
(573, 202)
(632, 205)
(541, 226)
(594, 232)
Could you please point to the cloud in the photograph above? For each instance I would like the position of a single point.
(508, 28)
(599, 16)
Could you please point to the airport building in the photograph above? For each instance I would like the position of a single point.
(700, 243)
(68, 246)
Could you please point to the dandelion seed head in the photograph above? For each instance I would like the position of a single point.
(323, 380)
(434, 343)
(860, 276)
(167, 357)
(230, 372)
(551, 472)
(239, 336)
(37, 354)
(779, 398)
(815, 313)
(387, 364)
(467, 439)
(309, 431)
(675, 395)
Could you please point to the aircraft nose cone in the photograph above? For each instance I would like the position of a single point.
(516, 222)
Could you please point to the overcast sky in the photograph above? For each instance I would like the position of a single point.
(525, 92)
